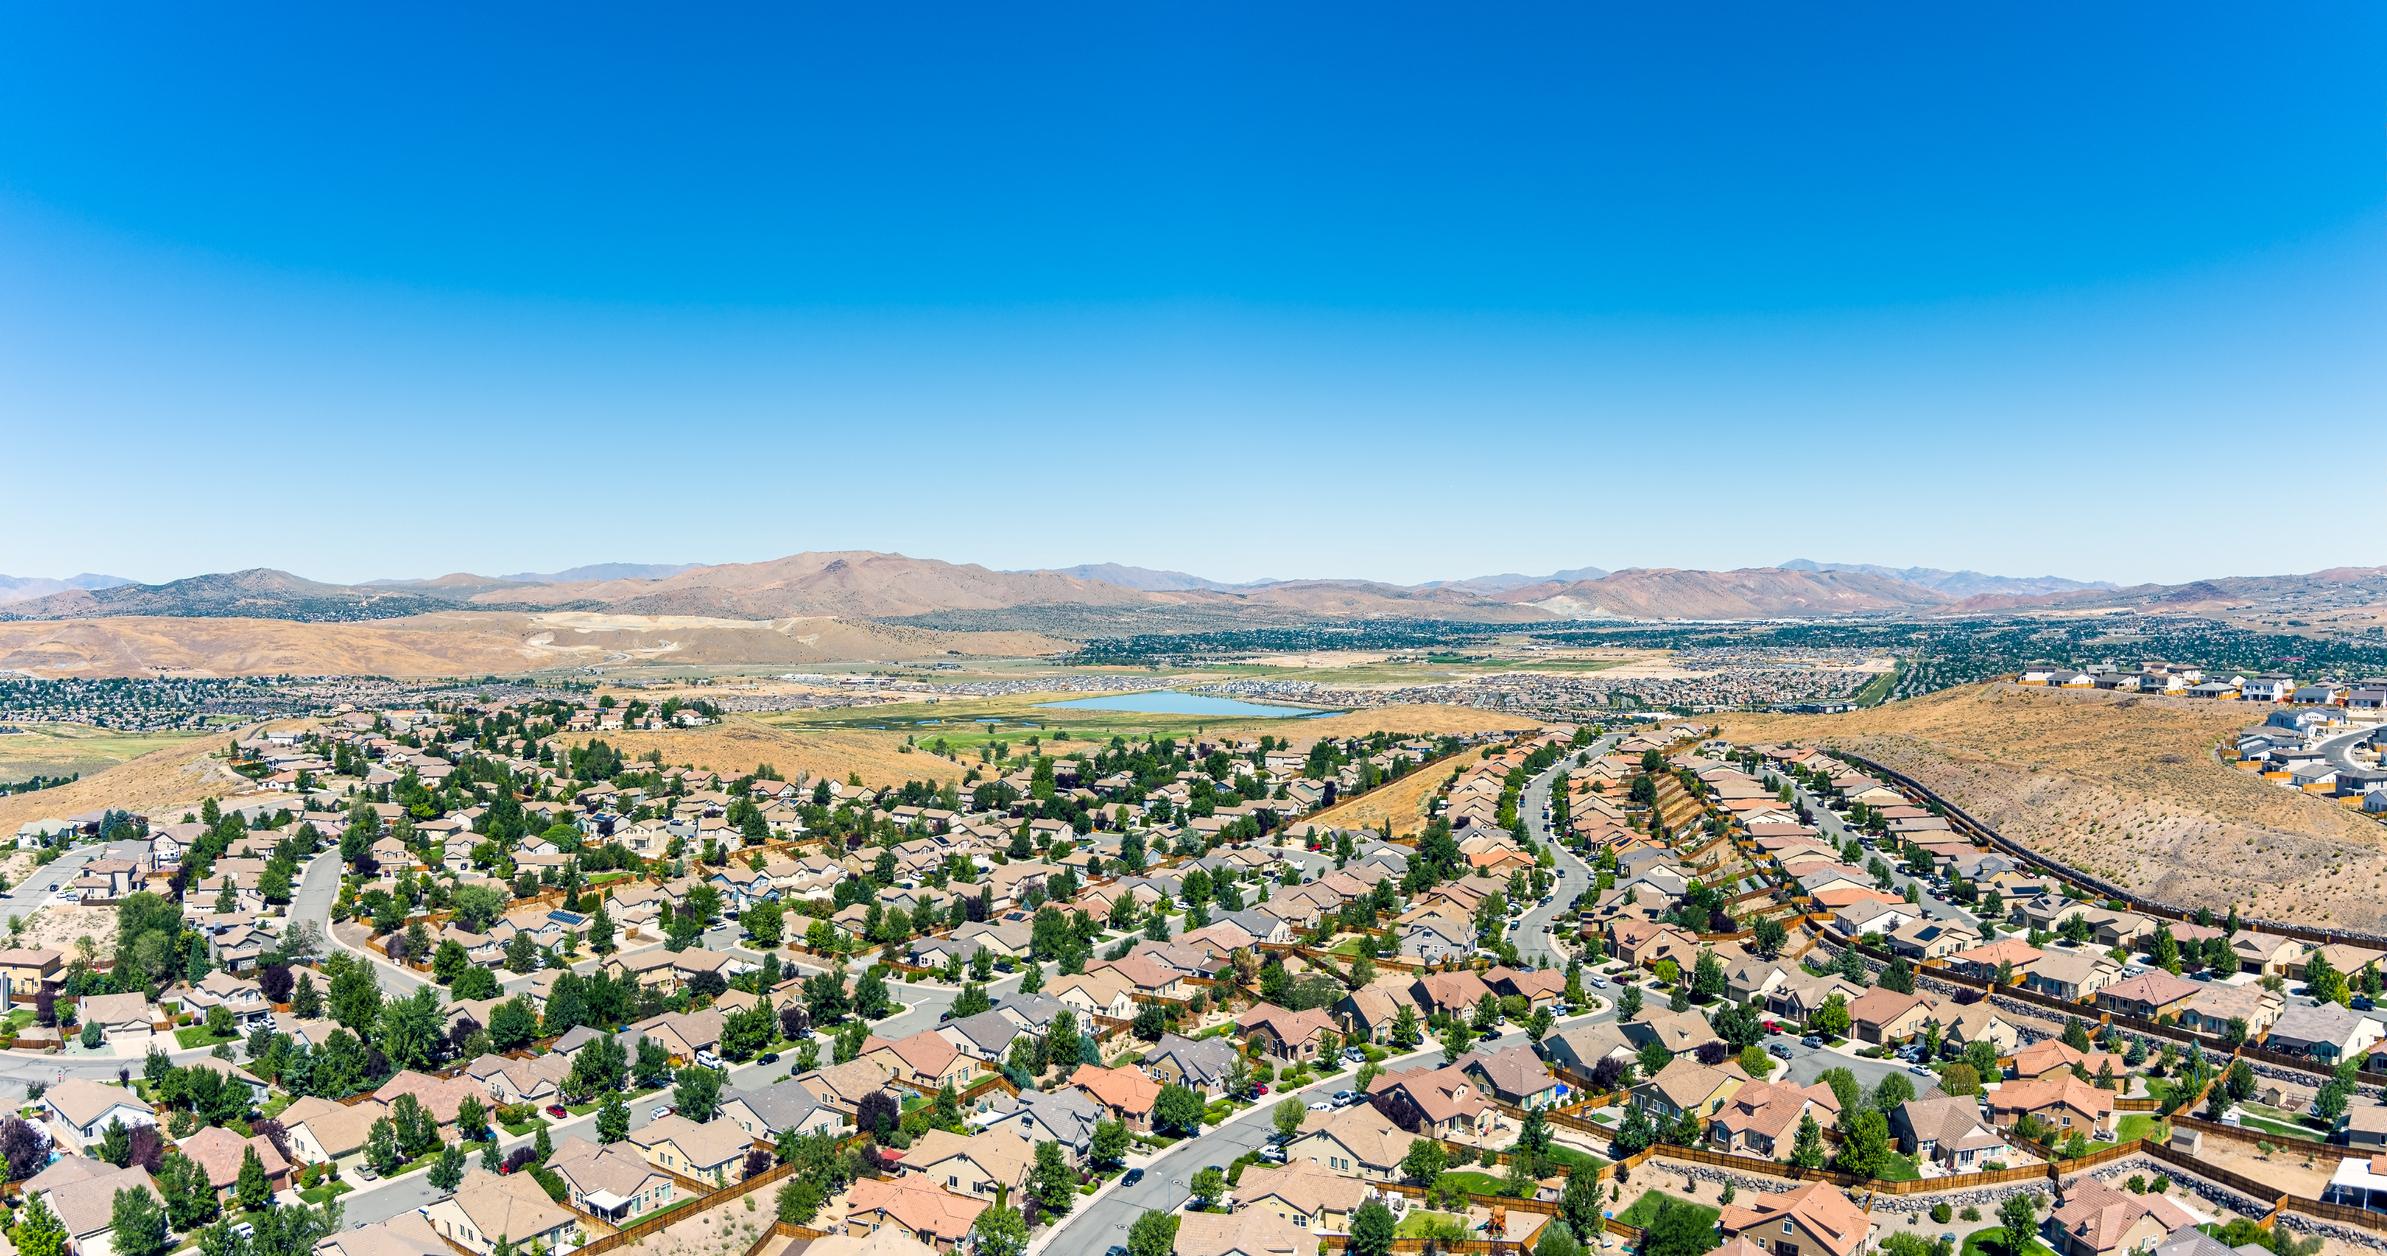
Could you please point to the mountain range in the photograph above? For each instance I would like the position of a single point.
(26, 588)
(1105, 597)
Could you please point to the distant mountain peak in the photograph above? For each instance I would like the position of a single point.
(1958, 584)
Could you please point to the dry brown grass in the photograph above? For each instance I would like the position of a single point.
(1403, 803)
(737, 745)
(175, 777)
(2127, 788)
(1424, 719)
(472, 643)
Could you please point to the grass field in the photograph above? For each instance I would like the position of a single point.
(68, 749)
(965, 724)
(1644, 1208)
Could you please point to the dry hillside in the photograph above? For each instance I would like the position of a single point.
(2127, 788)
(174, 777)
(738, 745)
(1403, 802)
(1424, 719)
(465, 643)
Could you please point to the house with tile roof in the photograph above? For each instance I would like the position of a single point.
(1817, 1219)
(913, 1207)
(489, 1206)
(2098, 1219)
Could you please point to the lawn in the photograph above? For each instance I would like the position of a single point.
(2142, 1125)
(1414, 1225)
(193, 1037)
(1475, 1181)
(1646, 1207)
(1991, 1241)
(324, 1192)
(1898, 1168)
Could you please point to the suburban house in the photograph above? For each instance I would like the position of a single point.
(2097, 1219)
(488, 1206)
(1816, 1219)
(607, 1183)
(927, 1214)
(1946, 1130)
(80, 1112)
(709, 1152)
(980, 1165)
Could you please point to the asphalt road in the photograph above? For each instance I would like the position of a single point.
(1532, 931)
(1168, 1178)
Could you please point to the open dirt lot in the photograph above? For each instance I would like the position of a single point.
(2127, 788)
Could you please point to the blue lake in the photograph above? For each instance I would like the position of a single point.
(1171, 702)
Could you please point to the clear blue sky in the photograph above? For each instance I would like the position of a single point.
(1268, 290)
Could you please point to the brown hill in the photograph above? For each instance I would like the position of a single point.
(739, 745)
(853, 582)
(471, 643)
(177, 776)
(2127, 788)
(1747, 593)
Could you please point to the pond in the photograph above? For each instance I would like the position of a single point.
(1172, 702)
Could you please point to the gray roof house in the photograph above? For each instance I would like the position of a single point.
(1201, 1064)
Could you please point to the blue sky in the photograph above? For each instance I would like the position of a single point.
(1377, 290)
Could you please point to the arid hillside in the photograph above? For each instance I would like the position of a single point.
(2127, 788)
(176, 776)
(467, 643)
(739, 745)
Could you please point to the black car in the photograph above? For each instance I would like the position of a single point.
(770, 1057)
(1132, 1177)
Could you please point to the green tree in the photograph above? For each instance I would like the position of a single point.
(1864, 1143)
(1678, 1228)
(1287, 1116)
(190, 1199)
(2018, 1217)
(1208, 1185)
(38, 1231)
(252, 1190)
(1372, 1229)
(381, 1147)
(613, 1118)
(1000, 1231)
(1153, 1234)
(1806, 1149)
(138, 1223)
(1051, 1182)
(449, 1171)
(1178, 1110)
(698, 1094)
(1424, 1162)
(1108, 1146)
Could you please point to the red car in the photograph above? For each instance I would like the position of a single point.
(556, 1109)
(1260, 1089)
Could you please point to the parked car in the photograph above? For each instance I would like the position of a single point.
(1778, 1050)
(1811, 1041)
(1920, 1071)
(1596, 981)
(769, 1057)
(661, 1110)
(1345, 1098)
(1272, 1155)
(708, 1059)
(557, 1110)
(1132, 1177)
(1320, 1105)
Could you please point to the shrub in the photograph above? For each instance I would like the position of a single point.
(1941, 1213)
